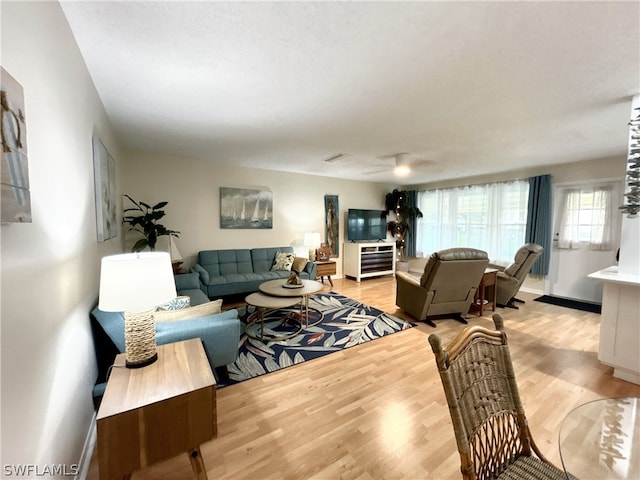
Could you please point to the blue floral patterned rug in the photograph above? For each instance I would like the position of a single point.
(345, 323)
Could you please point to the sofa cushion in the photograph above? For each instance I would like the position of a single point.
(234, 261)
(298, 264)
(262, 258)
(204, 274)
(202, 310)
(178, 303)
(187, 281)
(282, 261)
(196, 295)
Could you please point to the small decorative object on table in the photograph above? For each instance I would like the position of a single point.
(324, 253)
(293, 281)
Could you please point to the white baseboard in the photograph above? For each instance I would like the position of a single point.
(532, 290)
(87, 450)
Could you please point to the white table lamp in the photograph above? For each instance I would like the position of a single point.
(136, 283)
(312, 242)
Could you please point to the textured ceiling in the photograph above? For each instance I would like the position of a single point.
(465, 88)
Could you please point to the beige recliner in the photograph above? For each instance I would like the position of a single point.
(510, 278)
(447, 285)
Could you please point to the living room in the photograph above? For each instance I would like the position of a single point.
(51, 266)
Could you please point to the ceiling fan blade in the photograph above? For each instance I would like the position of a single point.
(372, 172)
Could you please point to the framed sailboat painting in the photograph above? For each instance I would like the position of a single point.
(247, 208)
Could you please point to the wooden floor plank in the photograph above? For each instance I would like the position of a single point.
(377, 411)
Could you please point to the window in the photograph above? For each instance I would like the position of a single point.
(490, 217)
(585, 218)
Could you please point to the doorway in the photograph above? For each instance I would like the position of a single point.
(586, 237)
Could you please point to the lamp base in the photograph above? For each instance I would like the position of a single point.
(139, 338)
(141, 363)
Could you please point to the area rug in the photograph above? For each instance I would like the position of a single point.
(570, 303)
(345, 323)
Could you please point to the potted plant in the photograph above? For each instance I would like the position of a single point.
(396, 202)
(145, 221)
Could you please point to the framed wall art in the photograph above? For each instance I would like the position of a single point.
(246, 208)
(332, 225)
(104, 171)
(16, 197)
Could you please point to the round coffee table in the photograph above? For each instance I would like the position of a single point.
(276, 288)
(264, 302)
(600, 439)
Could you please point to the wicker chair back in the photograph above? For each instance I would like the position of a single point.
(492, 435)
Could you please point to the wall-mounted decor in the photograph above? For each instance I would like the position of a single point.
(16, 198)
(246, 208)
(332, 227)
(632, 194)
(104, 171)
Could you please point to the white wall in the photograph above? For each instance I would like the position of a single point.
(568, 172)
(50, 268)
(192, 188)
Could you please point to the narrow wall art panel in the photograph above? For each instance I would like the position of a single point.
(332, 225)
(246, 208)
(16, 198)
(104, 171)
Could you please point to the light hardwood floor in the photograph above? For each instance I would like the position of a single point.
(377, 411)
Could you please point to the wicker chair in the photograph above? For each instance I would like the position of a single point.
(492, 435)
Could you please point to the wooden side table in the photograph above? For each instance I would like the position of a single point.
(486, 292)
(156, 412)
(326, 269)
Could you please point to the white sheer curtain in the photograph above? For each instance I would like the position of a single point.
(489, 217)
(585, 220)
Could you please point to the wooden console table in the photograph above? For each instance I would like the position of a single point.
(481, 299)
(156, 412)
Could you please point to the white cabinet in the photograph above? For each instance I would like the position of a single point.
(362, 260)
(620, 323)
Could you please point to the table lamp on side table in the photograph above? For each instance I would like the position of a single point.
(312, 241)
(136, 283)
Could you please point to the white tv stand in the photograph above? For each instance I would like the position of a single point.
(369, 259)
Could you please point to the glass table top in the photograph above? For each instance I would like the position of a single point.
(601, 439)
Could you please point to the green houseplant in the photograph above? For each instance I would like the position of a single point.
(143, 218)
(396, 202)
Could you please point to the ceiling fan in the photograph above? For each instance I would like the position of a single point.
(403, 165)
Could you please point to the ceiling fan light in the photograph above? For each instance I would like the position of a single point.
(402, 170)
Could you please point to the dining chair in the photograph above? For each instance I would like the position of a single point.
(489, 422)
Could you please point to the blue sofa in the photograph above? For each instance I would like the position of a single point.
(232, 272)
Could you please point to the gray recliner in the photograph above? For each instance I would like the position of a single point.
(447, 285)
(510, 278)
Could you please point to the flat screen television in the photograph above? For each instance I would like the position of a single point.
(366, 225)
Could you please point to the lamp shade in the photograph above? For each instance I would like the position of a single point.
(312, 239)
(173, 250)
(136, 281)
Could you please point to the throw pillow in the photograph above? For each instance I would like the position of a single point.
(204, 275)
(282, 262)
(178, 303)
(201, 310)
(298, 264)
